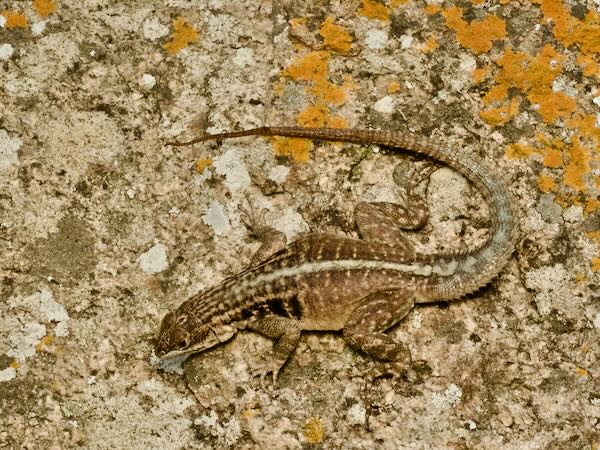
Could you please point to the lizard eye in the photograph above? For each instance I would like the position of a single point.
(182, 319)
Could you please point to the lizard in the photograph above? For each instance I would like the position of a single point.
(326, 282)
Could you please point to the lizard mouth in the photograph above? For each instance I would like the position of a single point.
(167, 355)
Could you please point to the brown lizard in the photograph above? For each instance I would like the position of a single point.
(326, 282)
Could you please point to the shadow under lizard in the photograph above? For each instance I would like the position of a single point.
(327, 282)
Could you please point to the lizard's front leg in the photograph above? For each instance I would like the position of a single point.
(287, 334)
(374, 314)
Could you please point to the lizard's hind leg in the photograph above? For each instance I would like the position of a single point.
(374, 314)
(383, 222)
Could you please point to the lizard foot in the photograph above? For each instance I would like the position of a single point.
(264, 369)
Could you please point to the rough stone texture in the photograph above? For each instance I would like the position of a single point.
(104, 228)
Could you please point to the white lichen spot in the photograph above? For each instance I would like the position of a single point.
(416, 319)
(291, 223)
(244, 57)
(22, 344)
(216, 218)
(597, 321)
(52, 310)
(7, 374)
(38, 27)
(279, 173)
(385, 105)
(573, 214)
(130, 192)
(9, 148)
(2, 21)
(596, 100)
(450, 397)
(153, 29)
(406, 41)
(357, 414)
(471, 424)
(147, 81)
(551, 284)
(6, 51)
(154, 260)
(231, 166)
(376, 39)
(228, 434)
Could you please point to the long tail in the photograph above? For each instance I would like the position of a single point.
(474, 269)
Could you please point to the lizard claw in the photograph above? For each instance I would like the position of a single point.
(264, 369)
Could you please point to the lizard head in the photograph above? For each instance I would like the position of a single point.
(181, 335)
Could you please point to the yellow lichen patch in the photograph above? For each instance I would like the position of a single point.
(15, 364)
(432, 9)
(594, 236)
(502, 114)
(393, 87)
(44, 342)
(202, 164)
(314, 116)
(374, 10)
(44, 8)
(310, 67)
(480, 74)
(335, 36)
(534, 77)
(478, 35)
(314, 430)
(519, 151)
(328, 92)
(14, 19)
(546, 183)
(589, 65)
(581, 372)
(183, 35)
(430, 45)
(591, 206)
(552, 157)
(586, 125)
(296, 148)
(396, 3)
(570, 30)
(578, 165)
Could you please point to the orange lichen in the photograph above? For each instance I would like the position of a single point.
(519, 151)
(502, 114)
(314, 430)
(393, 87)
(295, 148)
(478, 35)
(596, 264)
(183, 35)
(44, 342)
(581, 372)
(328, 92)
(591, 206)
(374, 10)
(44, 8)
(589, 65)
(578, 165)
(432, 9)
(570, 30)
(534, 76)
(430, 45)
(15, 364)
(546, 183)
(552, 157)
(480, 74)
(310, 67)
(586, 125)
(335, 36)
(14, 19)
(395, 3)
(202, 164)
